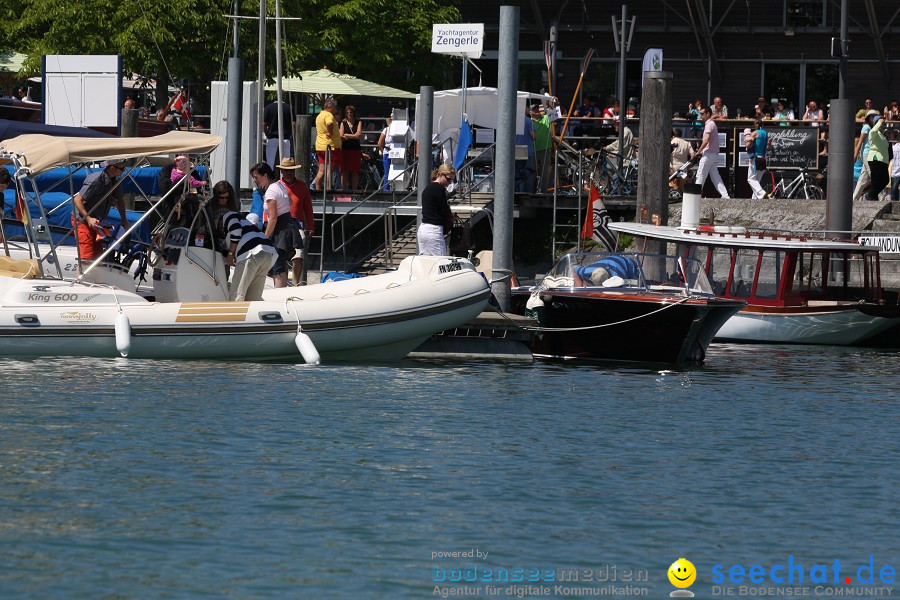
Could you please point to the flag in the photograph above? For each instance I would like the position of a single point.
(22, 213)
(180, 105)
(596, 222)
(462, 146)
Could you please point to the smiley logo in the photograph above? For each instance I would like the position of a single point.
(682, 573)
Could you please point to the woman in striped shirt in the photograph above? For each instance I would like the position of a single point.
(249, 251)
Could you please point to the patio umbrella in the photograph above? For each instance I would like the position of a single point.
(330, 83)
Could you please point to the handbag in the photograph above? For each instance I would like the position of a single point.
(461, 238)
(760, 163)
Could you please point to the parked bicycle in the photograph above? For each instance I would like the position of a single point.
(608, 179)
(802, 186)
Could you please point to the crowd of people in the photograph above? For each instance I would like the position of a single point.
(874, 150)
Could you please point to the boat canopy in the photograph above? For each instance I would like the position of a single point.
(39, 153)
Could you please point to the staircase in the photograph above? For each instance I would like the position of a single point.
(404, 243)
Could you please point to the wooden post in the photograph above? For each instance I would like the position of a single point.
(303, 146)
(655, 149)
(129, 129)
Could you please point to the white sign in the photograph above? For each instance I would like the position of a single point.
(458, 39)
(889, 244)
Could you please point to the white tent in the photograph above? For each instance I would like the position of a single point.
(481, 108)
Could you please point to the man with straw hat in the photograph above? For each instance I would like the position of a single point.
(302, 212)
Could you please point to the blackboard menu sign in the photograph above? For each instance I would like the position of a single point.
(792, 147)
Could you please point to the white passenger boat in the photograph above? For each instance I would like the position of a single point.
(799, 289)
(380, 317)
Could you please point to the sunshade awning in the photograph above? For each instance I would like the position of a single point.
(42, 152)
(330, 83)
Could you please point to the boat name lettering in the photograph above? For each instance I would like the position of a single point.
(889, 244)
(41, 288)
(38, 298)
(454, 266)
(76, 316)
(90, 297)
(65, 298)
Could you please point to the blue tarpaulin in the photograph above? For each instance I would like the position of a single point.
(63, 217)
(143, 179)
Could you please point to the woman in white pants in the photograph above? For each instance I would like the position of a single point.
(436, 215)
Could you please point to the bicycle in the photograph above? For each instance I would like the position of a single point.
(370, 176)
(802, 186)
(607, 175)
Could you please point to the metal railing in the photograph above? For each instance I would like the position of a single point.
(389, 217)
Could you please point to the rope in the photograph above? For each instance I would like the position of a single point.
(155, 43)
(587, 327)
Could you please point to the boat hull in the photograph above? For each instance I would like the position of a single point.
(623, 327)
(848, 325)
(376, 318)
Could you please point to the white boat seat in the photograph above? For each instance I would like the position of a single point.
(26, 268)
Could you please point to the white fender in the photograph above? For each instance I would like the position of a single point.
(307, 349)
(534, 301)
(123, 334)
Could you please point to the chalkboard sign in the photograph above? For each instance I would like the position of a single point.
(792, 147)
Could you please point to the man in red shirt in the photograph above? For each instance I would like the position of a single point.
(301, 210)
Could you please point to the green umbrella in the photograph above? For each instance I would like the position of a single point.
(330, 83)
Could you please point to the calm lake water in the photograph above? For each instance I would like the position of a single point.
(153, 479)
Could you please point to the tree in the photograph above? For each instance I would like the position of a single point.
(388, 41)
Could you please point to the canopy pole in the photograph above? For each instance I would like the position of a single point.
(280, 152)
(260, 92)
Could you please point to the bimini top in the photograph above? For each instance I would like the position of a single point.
(39, 153)
(724, 235)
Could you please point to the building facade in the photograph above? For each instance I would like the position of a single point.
(736, 50)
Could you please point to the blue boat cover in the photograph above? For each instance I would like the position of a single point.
(62, 217)
(621, 266)
(142, 179)
(337, 276)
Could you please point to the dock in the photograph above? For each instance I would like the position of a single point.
(490, 336)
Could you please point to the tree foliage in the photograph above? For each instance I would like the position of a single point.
(388, 41)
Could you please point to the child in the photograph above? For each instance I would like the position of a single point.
(182, 166)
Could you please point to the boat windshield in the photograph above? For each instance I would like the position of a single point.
(627, 270)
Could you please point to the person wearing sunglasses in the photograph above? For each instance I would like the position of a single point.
(246, 248)
(91, 206)
(436, 215)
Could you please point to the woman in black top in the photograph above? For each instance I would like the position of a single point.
(351, 149)
(436, 215)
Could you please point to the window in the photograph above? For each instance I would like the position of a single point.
(744, 271)
(719, 270)
(804, 13)
(769, 274)
(808, 274)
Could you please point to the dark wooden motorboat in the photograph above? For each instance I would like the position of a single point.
(624, 307)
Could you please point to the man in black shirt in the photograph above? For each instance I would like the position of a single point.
(270, 126)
